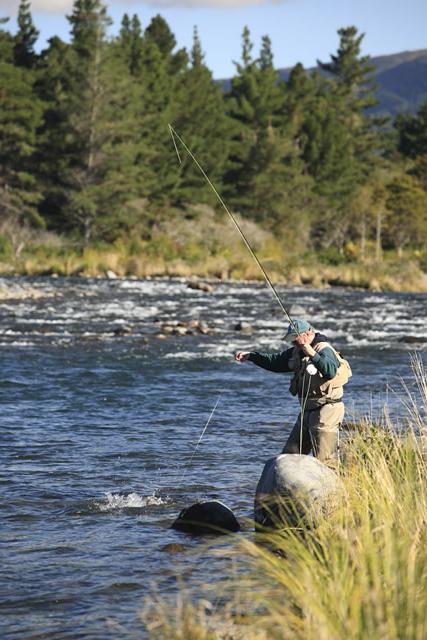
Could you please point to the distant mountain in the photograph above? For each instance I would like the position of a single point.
(401, 79)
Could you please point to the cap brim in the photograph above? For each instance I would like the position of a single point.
(290, 337)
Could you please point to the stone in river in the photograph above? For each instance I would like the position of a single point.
(123, 331)
(244, 327)
(180, 331)
(207, 517)
(173, 547)
(201, 286)
(294, 490)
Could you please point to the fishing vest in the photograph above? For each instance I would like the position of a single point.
(315, 389)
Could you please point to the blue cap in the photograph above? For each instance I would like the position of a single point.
(294, 329)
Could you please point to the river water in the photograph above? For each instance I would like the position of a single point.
(100, 418)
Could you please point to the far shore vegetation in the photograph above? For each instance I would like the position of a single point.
(329, 191)
(205, 245)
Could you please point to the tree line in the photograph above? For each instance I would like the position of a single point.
(85, 148)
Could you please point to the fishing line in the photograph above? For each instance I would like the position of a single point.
(338, 446)
(174, 135)
(302, 407)
(201, 437)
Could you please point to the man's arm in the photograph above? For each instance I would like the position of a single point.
(326, 362)
(277, 362)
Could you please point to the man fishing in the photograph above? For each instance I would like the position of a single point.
(319, 373)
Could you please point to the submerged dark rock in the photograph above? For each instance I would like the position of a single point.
(207, 517)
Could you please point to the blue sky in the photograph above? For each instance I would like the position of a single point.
(301, 30)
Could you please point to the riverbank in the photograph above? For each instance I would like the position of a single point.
(204, 246)
(389, 275)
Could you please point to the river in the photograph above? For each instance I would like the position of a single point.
(100, 417)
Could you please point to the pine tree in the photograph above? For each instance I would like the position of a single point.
(327, 148)
(354, 87)
(352, 72)
(240, 110)
(20, 116)
(6, 43)
(53, 86)
(159, 33)
(95, 176)
(412, 130)
(25, 38)
(103, 164)
(157, 104)
(255, 101)
(201, 121)
(130, 43)
(300, 94)
(340, 140)
(277, 183)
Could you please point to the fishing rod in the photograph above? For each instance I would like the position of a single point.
(174, 135)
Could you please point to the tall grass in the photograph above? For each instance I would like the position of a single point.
(361, 573)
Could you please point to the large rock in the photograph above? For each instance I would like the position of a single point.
(294, 490)
(207, 517)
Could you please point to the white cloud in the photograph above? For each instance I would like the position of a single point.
(209, 3)
(9, 7)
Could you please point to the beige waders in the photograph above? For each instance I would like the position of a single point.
(322, 409)
(318, 432)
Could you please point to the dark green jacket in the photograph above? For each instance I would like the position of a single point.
(325, 361)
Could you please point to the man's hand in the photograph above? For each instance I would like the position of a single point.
(304, 341)
(304, 338)
(241, 356)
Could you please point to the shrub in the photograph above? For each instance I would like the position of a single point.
(6, 248)
(332, 256)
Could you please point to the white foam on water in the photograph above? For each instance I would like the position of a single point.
(153, 287)
(231, 290)
(268, 325)
(61, 320)
(118, 501)
(183, 355)
(220, 351)
(18, 344)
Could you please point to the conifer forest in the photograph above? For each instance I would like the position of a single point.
(86, 155)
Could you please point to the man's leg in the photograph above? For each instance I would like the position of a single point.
(299, 438)
(323, 427)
